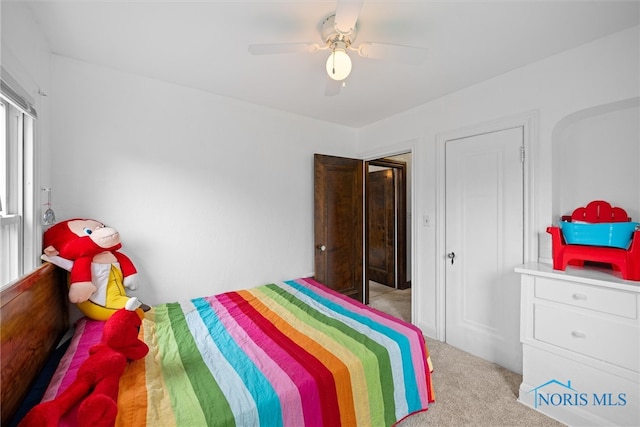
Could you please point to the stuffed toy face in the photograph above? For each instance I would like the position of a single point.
(76, 238)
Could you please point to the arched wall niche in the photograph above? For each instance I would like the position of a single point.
(596, 156)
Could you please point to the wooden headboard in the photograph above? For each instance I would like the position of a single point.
(34, 315)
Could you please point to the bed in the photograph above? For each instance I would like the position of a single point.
(293, 353)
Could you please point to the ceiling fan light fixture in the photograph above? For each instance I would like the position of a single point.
(338, 64)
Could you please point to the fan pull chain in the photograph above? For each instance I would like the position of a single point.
(333, 69)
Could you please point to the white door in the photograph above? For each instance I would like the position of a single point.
(484, 242)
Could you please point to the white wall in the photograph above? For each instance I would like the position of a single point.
(597, 73)
(596, 153)
(209, 194)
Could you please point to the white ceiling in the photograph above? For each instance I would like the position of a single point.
(203, 45)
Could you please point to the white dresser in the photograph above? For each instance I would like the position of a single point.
(580, 333)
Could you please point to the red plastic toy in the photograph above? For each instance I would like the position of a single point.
(627, 262)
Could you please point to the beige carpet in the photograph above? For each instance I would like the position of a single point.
(469, 391)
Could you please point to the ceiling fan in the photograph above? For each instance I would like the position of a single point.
(339, 32)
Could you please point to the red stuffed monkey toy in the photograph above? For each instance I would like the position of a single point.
(99, 272)
(97, 381)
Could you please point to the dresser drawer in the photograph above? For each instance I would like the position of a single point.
(606, 300)
(600, 337)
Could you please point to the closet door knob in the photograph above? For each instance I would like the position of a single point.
(321, 247)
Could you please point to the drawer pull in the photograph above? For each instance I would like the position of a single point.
(579, 297)
(578, 334)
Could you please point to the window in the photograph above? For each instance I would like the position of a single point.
(18, 229)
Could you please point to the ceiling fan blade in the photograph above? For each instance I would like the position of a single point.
(277, 48)
(394, 52)
(347, 12)
(332, 87)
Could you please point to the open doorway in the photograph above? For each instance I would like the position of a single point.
(340, 222)
(388, 246)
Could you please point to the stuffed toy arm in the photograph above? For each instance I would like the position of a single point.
(81, 291)
(64, 263)
(81, 287)
(128, 271)
(131, 282)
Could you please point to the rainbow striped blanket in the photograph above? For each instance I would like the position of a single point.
(288, 354)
